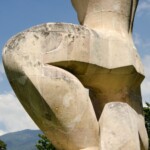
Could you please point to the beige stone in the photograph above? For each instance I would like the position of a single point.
(119, 128)
(91, 148)
(64, 75)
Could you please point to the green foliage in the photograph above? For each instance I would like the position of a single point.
(44, 143)
(2, 145)
(146, 111)
(21, 140)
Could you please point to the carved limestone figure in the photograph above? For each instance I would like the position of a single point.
(81, 83)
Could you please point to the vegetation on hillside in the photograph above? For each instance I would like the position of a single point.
(3, 146)
(44, 143)
(146, 111)
(21, 140)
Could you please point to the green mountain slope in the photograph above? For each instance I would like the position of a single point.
(21, 140)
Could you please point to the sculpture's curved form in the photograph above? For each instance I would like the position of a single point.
(93, 12)
(81, 84)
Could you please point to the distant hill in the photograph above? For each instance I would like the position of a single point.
(21, 140)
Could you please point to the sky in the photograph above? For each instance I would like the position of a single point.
(18, 15)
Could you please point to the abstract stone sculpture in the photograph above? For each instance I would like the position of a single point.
(81, 83)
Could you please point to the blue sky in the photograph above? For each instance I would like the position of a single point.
(18, 15)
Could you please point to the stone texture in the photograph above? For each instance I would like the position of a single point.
(65, 74)
(120, 128)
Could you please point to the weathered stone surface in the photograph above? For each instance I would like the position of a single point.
(64, 75)
(120, 128)
(91, 148)
(58, 103)
(85, 62)
(115, 15)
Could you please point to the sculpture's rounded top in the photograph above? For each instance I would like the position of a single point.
(94, 12)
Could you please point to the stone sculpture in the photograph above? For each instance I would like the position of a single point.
(81, 83)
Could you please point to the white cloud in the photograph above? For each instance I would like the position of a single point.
(1, 72)
(143, 44)
(1, 69)
(146, 82)
(137, 39)
(12, 115)
(143, 7)
(1, 78)
(1, 132)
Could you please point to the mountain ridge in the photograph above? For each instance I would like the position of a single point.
(21, 140)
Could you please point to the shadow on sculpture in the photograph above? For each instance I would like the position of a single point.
(81, 83)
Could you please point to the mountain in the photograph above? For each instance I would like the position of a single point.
(21, 140)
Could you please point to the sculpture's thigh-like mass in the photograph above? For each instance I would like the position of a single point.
(81, 83)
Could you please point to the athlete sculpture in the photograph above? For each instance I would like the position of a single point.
(81, 83)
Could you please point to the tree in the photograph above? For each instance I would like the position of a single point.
(146, 111)
(2, 145)
(44, 143)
